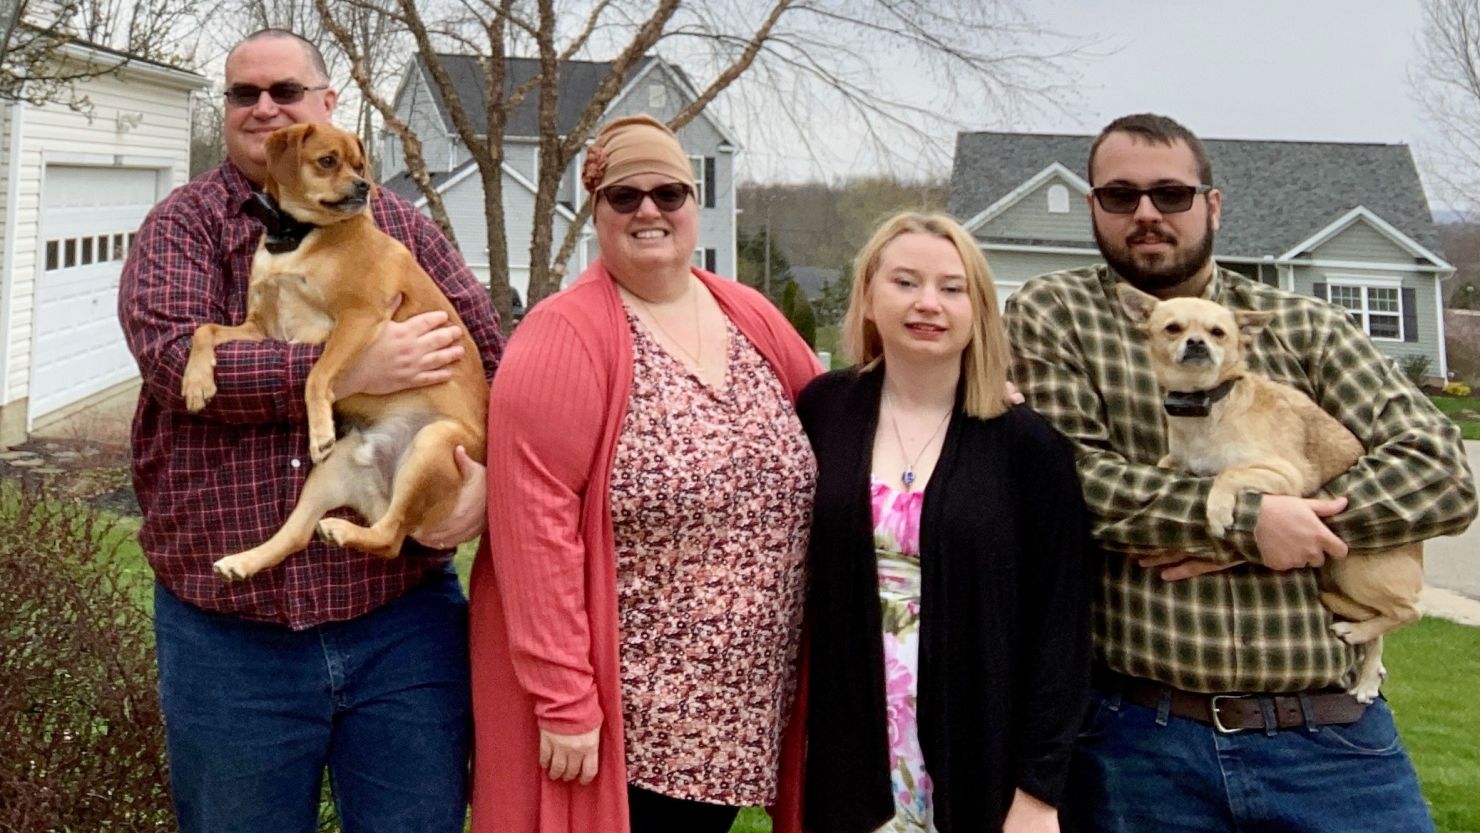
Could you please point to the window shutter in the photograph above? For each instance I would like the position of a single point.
(1319, 290)
(1410, 314)
(709, 257)
(709, 182)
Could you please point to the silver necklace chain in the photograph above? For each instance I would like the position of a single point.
(907, 477)
(698, 333)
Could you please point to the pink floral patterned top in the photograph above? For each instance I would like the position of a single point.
(711, 499)
(896, 517)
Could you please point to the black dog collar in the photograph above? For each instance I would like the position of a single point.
(1195, 403)
(284, 233)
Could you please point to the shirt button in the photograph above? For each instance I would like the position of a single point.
(295, 462)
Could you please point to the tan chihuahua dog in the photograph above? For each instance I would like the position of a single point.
(324, 273)
(1250, 432)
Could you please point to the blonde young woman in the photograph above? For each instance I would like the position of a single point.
(950, 646)
(637, 604)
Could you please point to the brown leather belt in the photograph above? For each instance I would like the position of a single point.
(1237, 712)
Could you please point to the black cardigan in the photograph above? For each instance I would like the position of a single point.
(1004, 634)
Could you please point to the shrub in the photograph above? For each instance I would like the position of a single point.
(1459, 389)
(798, 310)
(84, 740)
(1416, 368)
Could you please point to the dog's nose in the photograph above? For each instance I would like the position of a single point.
(361, 188)
(1195, 347)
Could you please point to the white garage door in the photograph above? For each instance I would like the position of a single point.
(88, 219)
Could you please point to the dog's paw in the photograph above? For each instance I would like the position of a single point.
(198, 389)
(334, 530)
(233, 568)
(1354, 633)
(320, 447)
(1366, 690)
(1220, 510)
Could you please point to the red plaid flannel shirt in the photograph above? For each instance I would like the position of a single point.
(224, 480)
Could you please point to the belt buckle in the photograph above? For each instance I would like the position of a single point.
(1218, 718)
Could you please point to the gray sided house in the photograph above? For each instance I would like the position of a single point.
(1348, 223)
(654, 87)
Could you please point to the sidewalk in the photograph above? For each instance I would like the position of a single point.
(1452, 568)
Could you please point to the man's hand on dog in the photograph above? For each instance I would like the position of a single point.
(407, 354)
(469, 517)
(1291, 532)
(568, 757)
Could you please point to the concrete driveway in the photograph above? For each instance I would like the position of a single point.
(1454, 563)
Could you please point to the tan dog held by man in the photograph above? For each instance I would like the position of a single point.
(325, 274)
(1250, 432)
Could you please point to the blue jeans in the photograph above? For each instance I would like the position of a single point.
(1137, 769)
(254, 713)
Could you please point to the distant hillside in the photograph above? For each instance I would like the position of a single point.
(824, 226)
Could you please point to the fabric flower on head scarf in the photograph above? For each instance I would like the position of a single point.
(594, 168)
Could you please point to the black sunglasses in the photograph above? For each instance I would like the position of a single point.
(283, 92)
(624, 199)
(1168, 199)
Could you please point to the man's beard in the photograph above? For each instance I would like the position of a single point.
(1150, 274)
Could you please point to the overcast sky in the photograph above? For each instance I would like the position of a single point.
(1252, 69)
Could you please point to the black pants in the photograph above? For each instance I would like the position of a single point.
(650, 812)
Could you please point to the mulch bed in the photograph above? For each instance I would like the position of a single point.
(92, 472)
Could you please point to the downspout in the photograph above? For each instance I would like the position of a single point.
(1439, 307)
(8, 276)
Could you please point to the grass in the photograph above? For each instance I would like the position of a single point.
(1464, 412)
(1433, 667)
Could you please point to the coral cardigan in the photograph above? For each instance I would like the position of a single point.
(544, 638)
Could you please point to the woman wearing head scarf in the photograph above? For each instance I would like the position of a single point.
(950, 644)
(637, 602)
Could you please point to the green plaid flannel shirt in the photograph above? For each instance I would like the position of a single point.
(1083, 365)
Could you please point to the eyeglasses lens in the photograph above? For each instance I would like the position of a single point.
(624, 199)
(283, 92)
(1168, 199)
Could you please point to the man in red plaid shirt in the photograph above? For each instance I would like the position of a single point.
(333, 658)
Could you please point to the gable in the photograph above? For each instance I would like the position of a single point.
(1048, 207)
(1360, 241)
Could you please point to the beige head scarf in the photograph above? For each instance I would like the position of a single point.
(634, 145)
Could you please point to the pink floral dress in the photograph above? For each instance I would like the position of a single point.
(896, 518)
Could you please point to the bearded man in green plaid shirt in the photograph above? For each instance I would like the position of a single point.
(1221, 697)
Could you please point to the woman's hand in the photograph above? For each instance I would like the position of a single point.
(1030, 815)
(567, 757)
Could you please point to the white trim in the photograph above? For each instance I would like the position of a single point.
(509, 170)
(1055, 169)
(12, 220)
(1374, 266)
(1364, 283)
(698, 179)
(140, 67)
(1383, 226)
(1443, 350)
(1052, 250)
(1286, 271)
(106, 160)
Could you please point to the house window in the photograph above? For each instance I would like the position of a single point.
(657, 95)
(704, 259)
(703, 169)
(1376, 308)
(1058, 199)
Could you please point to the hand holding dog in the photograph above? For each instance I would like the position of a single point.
(567, 757)
(407, 354)
(1291, 534)
(469, 517)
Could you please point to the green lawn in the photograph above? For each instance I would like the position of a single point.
(1465, 412)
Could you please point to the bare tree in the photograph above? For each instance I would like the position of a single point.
(804, 64)
(1446, 81)
(36, 65)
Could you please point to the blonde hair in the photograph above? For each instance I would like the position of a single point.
(985, 360)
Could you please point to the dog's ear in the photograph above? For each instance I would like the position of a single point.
(1137, 304)
(1250, 322)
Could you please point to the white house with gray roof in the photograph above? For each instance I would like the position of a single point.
(654, 86)
(1345, 222)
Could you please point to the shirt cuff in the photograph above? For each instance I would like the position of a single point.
(1245, 516)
